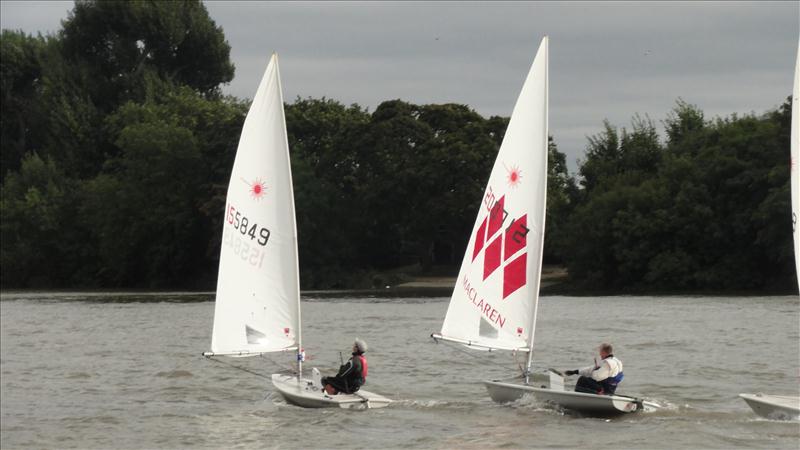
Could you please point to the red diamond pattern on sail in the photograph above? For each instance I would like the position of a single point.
(503, 247)
(516, 237)
(514, 275)
(496, 216)
(491, 258)
(480, 239)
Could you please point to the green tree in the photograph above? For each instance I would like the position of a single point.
(683, 121)
(36, 249)
(709, 211)
(324, 166)
(144, 211)
(20, 82)
(389, 182)
(562, 195)
(454, 168)
(130, 45)
(605, 241)
(150, 207)
(422, 173)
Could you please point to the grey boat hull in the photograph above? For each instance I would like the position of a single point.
(307, 393)
(587, 404)
(776, 407)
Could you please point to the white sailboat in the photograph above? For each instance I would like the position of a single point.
(786, 406)
(495, 301)
(257, 307)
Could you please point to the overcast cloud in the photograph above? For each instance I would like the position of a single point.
(607, 60)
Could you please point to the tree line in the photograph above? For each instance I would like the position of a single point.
(117, 146)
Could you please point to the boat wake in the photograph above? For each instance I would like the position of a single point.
(432, 404)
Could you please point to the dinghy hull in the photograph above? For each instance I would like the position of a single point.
(776, 407)
(307, 394)
(587, 404)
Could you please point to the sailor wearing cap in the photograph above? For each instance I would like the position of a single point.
(352, 374)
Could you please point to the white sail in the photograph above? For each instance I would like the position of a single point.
(795, 161)
(257, 304)
(497, 291)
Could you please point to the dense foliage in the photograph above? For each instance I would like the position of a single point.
(709, 209)
(117, 148)
(115, 142)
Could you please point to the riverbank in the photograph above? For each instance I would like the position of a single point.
(554, 282)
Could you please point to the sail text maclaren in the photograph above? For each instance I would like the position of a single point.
(485, 307)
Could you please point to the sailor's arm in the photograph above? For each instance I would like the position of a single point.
(586, 371)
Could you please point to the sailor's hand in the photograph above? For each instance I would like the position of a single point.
(570, 372)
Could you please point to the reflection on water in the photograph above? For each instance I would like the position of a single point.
(123, 370)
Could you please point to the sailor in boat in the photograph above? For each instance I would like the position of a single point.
(352, 375)
(602, 378)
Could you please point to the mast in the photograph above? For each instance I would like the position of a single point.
(294, 228)
(538, 275)
(795, 160)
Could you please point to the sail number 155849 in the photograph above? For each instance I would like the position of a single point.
(243, 225)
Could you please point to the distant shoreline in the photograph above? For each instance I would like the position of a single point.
(554, 282)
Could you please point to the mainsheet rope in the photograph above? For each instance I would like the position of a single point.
(244, 369)
(473, 354)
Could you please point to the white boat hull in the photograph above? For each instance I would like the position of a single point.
(777, 407)
(588, 404)
(307, 394)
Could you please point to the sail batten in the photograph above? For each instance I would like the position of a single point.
(258, 295)
(494, 301)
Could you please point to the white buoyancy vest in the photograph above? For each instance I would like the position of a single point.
(610, 367)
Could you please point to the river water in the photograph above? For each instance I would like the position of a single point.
(125, 371)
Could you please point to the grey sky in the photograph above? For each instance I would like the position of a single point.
(607, 60)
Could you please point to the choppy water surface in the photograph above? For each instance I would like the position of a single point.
(125, 371)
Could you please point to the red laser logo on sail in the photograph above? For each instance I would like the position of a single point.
(257, 188)
(514, 176)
